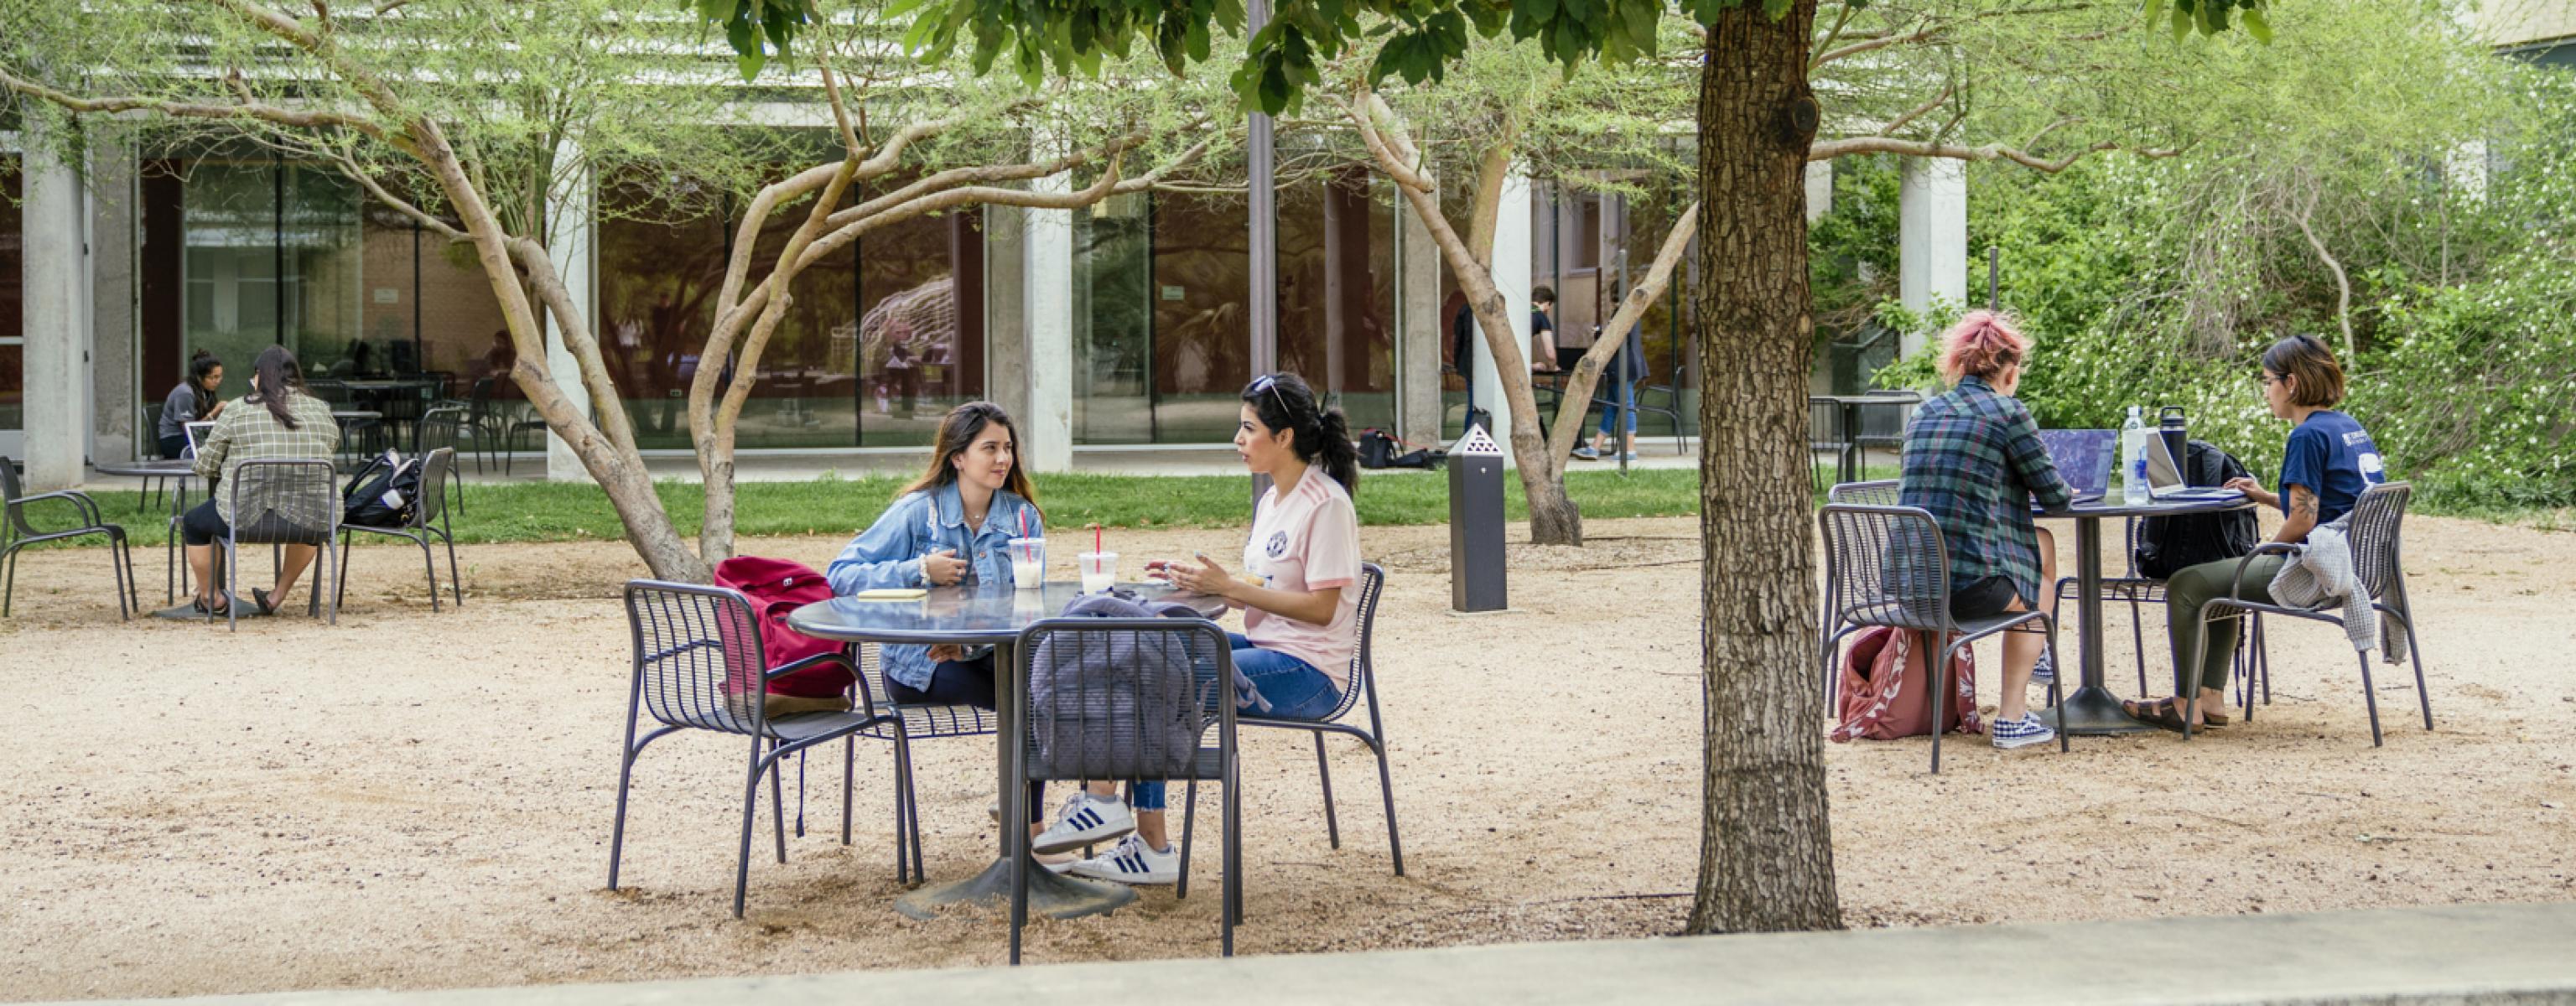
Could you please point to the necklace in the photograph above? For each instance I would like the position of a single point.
(976, 520)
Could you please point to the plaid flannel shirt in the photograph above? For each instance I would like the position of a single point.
(1973, 458)
(246, 432)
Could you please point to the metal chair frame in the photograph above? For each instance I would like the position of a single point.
(454, 418)
(701, 629)
(1363, 679)
(1220, 764)
(16, 534)
(1857, 600)
(321, 537)
(432, 506)
(490, 422)
(908, 722)
(2378, 520)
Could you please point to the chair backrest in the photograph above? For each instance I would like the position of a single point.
(1363, 660)
(147, 437)
(2377, 517)
(698, 656)
(1886, 565)
(1881, 492)
(284, 502)
(433, 486)
(10, 493)
(1824, 422)
(1122, 698)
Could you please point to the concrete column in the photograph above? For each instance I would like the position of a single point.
(1047, 278)
(1932, 242)
(1512, 276)
(116, 218)
(56, 329)
(1420, 331)
(571, 234)
(1820, 190)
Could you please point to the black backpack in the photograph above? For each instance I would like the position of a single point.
(2169, 545)
(383, 492)
(1379, 449)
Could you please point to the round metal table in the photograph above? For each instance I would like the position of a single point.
(181, 469)
(1848, 466)
(987, 615)
(2091, 709)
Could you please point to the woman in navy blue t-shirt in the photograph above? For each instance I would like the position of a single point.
(2330, 459)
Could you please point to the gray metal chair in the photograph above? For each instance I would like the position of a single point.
(1363, 680)
(494, 424)
(906, 723)
(1889, 567)
(17, 533)
(2378, 517)
(428, 519)
(1880, 492)
(448, 426)
(1825, 435)
(280, 502)
(699, 666)
(1125, 698)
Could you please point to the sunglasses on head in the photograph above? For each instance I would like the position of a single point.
(1270, 383)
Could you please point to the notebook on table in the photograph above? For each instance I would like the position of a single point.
(2083, 460)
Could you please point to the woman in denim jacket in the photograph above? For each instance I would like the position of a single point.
(949, 527)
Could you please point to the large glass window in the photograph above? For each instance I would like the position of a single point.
(1337, 293)
(919, 339)
(13, 298)
(1113, 332)
(662, 245)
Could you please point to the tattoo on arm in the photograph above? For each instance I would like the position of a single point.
(2303, 503)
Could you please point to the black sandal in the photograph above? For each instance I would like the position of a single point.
(260, 597)
(2164, 713)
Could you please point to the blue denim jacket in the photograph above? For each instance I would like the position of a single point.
(889, 554)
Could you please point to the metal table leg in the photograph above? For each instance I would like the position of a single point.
(1049, 895)
(2091, 709)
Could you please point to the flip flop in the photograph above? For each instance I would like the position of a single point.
(2164, 713)
(260, 597)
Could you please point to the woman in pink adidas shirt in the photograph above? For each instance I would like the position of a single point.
(1299, 591)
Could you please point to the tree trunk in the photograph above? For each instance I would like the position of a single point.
(1766, 848)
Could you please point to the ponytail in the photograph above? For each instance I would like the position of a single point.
(274, 376)
(1320, 436)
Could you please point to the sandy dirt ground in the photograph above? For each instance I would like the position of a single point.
(417, 800)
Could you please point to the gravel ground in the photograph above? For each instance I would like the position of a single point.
(417, 800)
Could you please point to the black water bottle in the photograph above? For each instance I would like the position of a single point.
(2169, 425)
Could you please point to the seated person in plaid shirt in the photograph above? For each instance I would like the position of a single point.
(277, 420)
(1973, 458)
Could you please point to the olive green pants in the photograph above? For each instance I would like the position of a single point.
(2206, 659)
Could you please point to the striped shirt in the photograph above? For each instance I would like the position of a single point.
(1973, 458)
(246, 432)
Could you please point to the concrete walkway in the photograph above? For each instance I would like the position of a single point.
(2483, 954)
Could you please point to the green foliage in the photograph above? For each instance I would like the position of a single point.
(756, 29)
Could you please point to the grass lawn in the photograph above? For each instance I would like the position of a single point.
(529, 512)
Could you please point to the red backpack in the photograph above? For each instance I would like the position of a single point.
(777, 587)
(1879, 695)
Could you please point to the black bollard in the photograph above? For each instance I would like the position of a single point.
(1476, 580)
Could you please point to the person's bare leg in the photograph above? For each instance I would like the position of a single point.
(2048, 573)
(297, 558)
(201, 563)
(2021, 653)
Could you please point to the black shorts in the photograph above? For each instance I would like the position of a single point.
(174, 445)
(1983, 597)
(202, 525)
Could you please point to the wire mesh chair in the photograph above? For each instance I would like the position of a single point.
(428, 519)
(448, 426)
(1125, 698)
(2378, 517)
(1878, 492)
(699, 665)
(493, 424)
(17, 533)
(1825, 435)
(282, 502)
(1363, 679)
(906, 723)
(1889, 567)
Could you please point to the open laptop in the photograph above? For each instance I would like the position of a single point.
(2165, 480)
(197, 436)
(2083, 459)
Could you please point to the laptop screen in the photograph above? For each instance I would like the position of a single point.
(197, 435)
(2083, 459)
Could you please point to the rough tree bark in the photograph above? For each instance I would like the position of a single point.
(1766, 847)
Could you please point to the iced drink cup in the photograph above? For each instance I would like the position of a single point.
(1099, 571)
(1028, 563)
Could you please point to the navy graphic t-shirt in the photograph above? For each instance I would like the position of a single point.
(2334, 457)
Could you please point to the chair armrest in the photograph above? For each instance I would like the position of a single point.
(88, 507)
(2236, 584)
(866, 701)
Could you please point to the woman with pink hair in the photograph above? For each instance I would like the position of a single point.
(1974, 460)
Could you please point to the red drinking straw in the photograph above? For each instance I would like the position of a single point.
(1095, 539)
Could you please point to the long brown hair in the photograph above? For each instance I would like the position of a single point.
(957, 432)
(274, 376)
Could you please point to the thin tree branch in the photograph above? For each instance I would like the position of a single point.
(301, 119)
(1826, 150)
(1918, 111)
(350, 168)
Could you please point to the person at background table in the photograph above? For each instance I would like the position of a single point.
(951, 527)
(1630, 364)
(1300, 601)
(2329, 461)
(1973, 458)
(276, 421)
(193, 401)
(1543, 330)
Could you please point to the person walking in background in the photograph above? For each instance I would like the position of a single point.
(1543, 330)
(1973, 458)
(276, 421)
(1628, 368)
(193, 401)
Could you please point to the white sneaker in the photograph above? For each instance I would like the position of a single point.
(1085, 820)
(1130, 862)
(2021, 733)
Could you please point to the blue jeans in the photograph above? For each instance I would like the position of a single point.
(1629, 406)
(1293, 687)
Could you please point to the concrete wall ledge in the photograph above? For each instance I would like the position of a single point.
(2467, 954)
